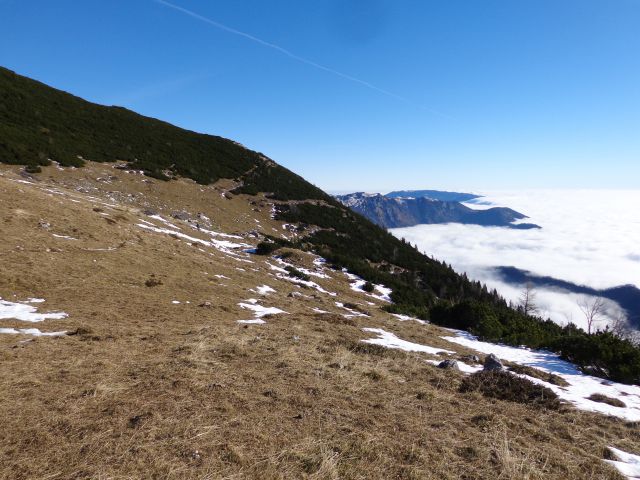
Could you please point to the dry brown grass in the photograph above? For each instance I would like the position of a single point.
(148, 389)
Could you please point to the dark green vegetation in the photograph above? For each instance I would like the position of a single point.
(38, 123)
(295, 273)
(430, 289)
(506, 386)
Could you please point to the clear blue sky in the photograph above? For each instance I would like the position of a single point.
(493, 93)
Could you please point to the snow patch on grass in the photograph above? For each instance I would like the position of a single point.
(580, 387)
(382, 293)
(389, 340)
(263, 290)
(26, 313)
(259, 311)
(31, 331)
(627, 464)
(406, 318)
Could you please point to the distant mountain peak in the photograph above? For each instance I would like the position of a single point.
(405, 211)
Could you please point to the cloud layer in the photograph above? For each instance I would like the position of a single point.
(589, 237)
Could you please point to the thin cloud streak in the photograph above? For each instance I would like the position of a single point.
(290, 54)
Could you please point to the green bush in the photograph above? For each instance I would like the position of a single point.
(294, 272)
(368, 287)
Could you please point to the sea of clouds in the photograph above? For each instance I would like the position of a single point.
(588, 237)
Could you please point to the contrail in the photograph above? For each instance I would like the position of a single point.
(286, 52)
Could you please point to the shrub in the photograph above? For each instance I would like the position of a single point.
(614, 402)
(506, 386)
(294, 272)
(368, 287)
(266, 248)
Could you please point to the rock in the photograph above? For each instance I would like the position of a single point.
(180, 215)
(150, 212)
(44, 225)
(205, 304)
(471, 358)
(491, 362)
(449, 364)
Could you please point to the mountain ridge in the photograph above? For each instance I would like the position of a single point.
(398, 212)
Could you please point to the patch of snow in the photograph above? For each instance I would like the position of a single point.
(277, 269)
(284, 275)
(580, 387)
(357, 284)
(65, 237)
(175, 302)
(26, 313)
(405, 318)
(627, 464)
(389, 340)
(263, 290)
(317, 310)
(163, 220)
(259, 311)
(31, 331)
(224, 246)
(352, 313)
(313, 273)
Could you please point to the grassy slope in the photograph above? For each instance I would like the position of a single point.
(149, 389)
(38, 122)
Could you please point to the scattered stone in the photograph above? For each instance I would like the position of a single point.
(449, 364)
(205, 305)
(150, 212)
(471, 358)
(44, 225)
(492, 363)
(153, 281)
(180, 215)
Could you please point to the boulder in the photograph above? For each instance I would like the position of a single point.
(491, 362)
(449, 364)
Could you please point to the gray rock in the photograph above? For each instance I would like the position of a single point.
(180, 215)
(491, 362)
(449, 364)
(471, 358)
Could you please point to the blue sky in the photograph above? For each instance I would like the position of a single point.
(477, 94)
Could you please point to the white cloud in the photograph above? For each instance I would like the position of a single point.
(589, 237)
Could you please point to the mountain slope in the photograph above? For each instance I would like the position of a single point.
(156, 377)
(421, 286)
(39, 124)
(397, 212)
(142, 336)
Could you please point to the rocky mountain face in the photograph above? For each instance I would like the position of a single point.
(397, 212)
